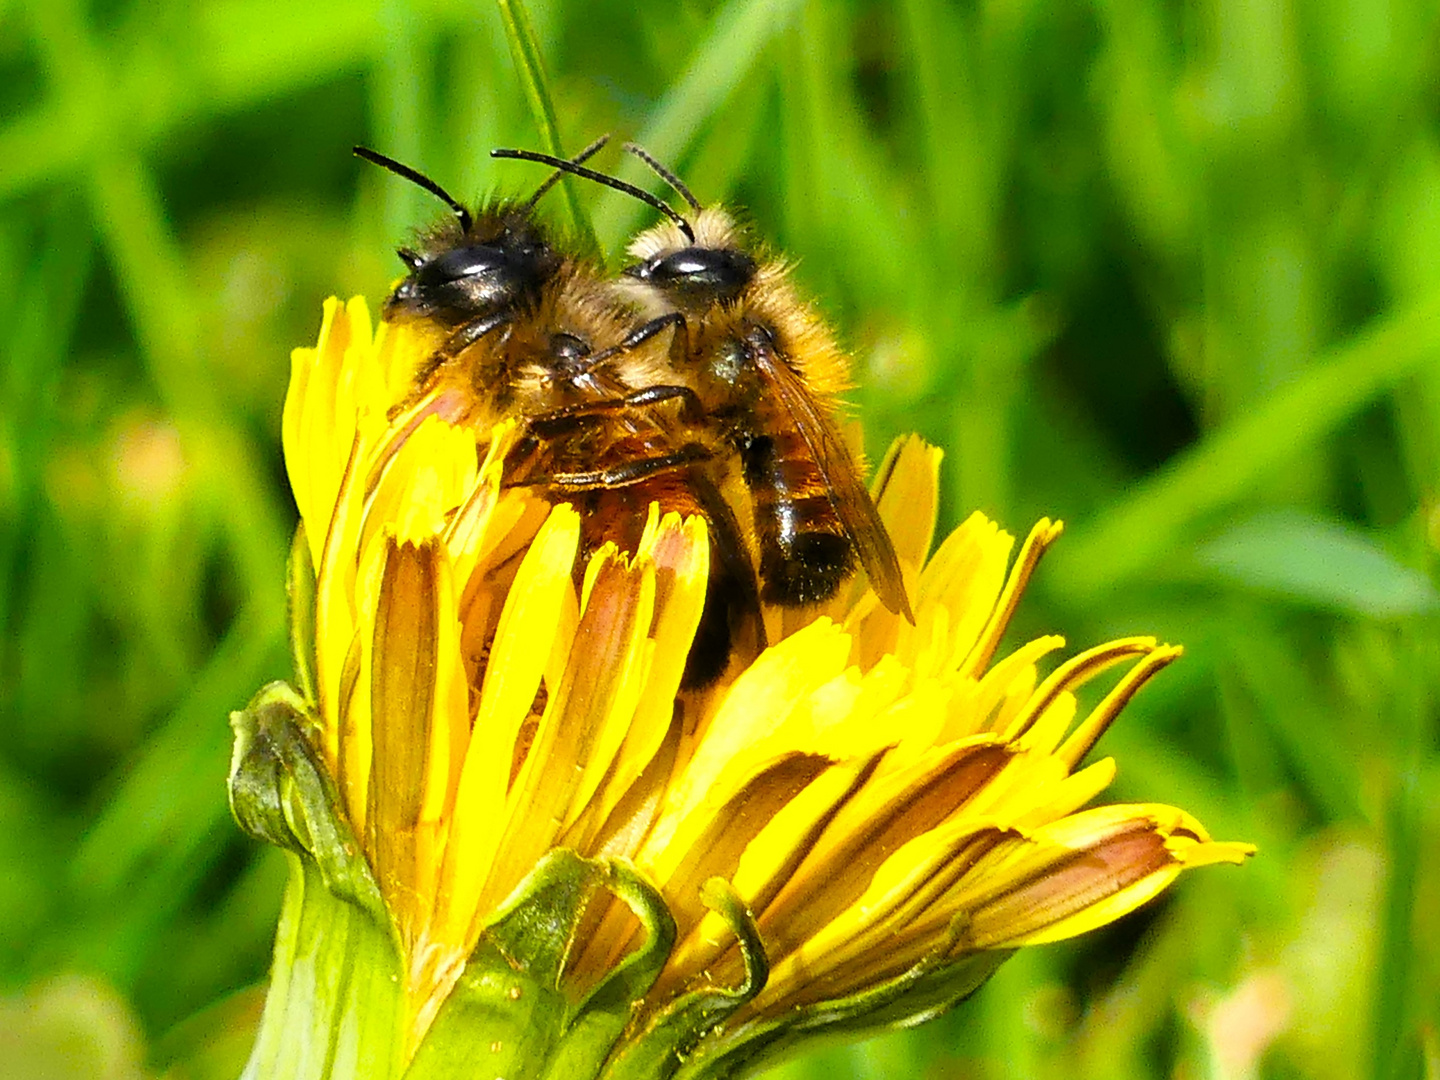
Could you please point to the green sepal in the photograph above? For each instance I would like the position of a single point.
(931, 987)
(661, 1048)
(300, 605)
(281, 794)
(510, 1015)
(334, 1008)
(605, 1013)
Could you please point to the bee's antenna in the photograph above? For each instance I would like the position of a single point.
(418, 178)
(601, 178)
(665, 174)
(584, 155)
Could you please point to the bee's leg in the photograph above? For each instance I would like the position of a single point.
(692, 409)
(645, 332)
(631, 472)
(458, 341)
(470, 333)
(640, 335)
(546, 428)
(567, 418)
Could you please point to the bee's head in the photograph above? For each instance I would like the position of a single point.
(495, 263)
(694, 264)
(706, 267)
(475, 266)
(686, 265)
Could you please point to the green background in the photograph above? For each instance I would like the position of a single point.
(1170, 271)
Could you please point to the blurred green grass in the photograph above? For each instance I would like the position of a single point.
(1171, 272)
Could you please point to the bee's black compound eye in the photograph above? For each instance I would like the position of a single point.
(482, 260)
(473, 280)
(700, 275)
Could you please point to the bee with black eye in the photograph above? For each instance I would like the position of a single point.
(518, 318)
(767, 374)
(529, 332)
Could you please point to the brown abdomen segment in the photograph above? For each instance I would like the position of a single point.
(805, 552)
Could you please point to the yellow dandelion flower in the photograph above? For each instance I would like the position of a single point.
(519, 844)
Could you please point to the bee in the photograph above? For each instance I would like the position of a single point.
(767, 374)
(521, 314)
(529, 332)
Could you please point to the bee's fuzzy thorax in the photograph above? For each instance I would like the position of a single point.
(804, 337)
(770, 298)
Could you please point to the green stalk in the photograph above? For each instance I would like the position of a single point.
(334, 1010)
(1393, 1015)
(528, 66)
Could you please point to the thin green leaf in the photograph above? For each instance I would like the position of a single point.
(728, 55)
(1394, 1000)
(1271, 703)
(1318, 562)
(531, 70)
(1147, 527)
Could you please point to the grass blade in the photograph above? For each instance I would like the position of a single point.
(1393, 1008)
(735, 42)
(1142, 529)
(1318, 562)
(528, 66)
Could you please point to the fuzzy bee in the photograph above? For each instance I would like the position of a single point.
(764, 373)
(529, 332)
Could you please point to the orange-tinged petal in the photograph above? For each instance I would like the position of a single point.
(402, 692)
(1076, 874)
(905, 887)
(775, 854)
(1073, 673)
(681, 558)
(718, 835)
(599, 682)
(868, 829)
(1078, 744)
(771, 857)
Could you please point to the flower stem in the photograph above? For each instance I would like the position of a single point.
(334, 1011)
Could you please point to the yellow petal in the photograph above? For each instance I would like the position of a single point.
(522, 645)
(740, 741)
(581, 716)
